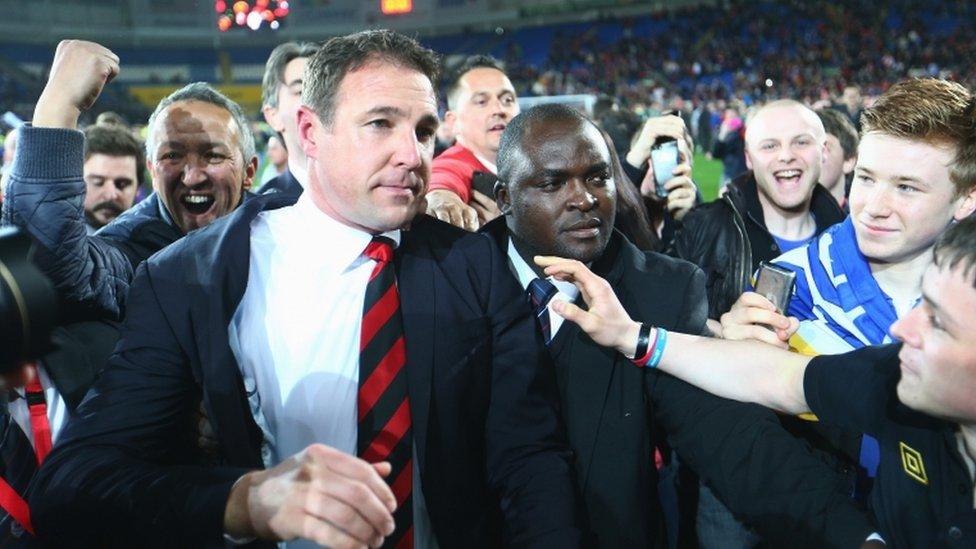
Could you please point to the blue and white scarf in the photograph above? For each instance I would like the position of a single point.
(839, 304)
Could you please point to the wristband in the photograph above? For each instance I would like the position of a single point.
(643, 341)
(660, 342)
(641, 359)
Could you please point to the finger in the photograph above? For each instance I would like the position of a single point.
(752, 299)
(327, 535)
(584, 279)
(756, 333)
(681, 181)
(455, 216)
(574, 314)
(439, 213)
(341, 515)
(383, 468)
(470, 218)
(682, 170)
(480, 199)
(356, 469)
(755, 315)
(357, 496)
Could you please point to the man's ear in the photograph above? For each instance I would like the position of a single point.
(967, 206)
(749, 160)
(250, 168)
(502, 198)
(848, 165)
(271, 117)
(308, 121)
(449, 120)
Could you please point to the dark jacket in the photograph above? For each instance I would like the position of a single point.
(727, 238)
(610, 408)
(284, 183)
(45, 198)
(490, 449)
(731, 150)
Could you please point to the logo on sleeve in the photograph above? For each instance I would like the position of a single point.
(911, 462)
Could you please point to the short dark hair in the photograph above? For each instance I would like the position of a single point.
(274, 69)
(957, 247)
(466, 66)
(344, 54)
(839, 125)
(112, 140)
(511, 156)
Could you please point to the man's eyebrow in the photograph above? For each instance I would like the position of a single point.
(394, 112)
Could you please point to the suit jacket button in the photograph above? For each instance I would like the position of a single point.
(955, 532)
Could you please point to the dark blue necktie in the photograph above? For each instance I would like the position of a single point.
(540, 291)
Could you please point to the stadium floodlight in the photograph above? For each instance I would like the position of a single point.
(254, 15)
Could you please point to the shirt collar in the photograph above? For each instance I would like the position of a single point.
(525, 274)
(345, 243)
(490, 165)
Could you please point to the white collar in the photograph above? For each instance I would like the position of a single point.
(526, 275)
(345, 244)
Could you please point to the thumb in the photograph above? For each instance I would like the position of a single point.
(569, 311)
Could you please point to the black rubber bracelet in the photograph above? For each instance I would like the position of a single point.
(643, 341)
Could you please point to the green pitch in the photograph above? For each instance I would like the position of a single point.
(707, 174)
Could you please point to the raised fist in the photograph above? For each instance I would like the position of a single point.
(79, 72)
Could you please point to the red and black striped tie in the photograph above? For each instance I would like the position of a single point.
(384, 409)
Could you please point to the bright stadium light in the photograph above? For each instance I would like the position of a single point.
(254, 15)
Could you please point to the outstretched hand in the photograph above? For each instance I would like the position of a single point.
(605, 320)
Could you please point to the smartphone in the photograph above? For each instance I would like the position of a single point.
(664, 158)
(484, 183)
(775, 283)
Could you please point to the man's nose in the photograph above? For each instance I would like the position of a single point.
(194, 173)
(581, 198)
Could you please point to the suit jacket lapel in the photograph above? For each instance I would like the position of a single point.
(590, 370)
(415, 281)
(218, 281)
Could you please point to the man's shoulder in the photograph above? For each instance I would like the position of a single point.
(434, 234)
(652, 269)
(230, 233)
(457, 155)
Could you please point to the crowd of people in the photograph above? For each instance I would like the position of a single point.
(490, 327)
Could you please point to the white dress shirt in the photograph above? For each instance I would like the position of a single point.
(566, 291)
(295, 334)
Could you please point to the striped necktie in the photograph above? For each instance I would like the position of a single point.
(384, 432)
(540, 292)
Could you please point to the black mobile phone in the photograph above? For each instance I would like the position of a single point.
(775, 283)
(664, 159)
(484, 183)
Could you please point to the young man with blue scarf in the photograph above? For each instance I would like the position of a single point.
(915, 175)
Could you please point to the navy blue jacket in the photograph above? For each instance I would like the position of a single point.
(492, 455)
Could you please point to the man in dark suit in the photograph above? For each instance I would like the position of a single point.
(281, 95)
(557, 191)
(457, 411)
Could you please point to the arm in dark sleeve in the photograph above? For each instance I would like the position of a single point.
(123, 472)
(45, 198)
(763, 474)
(853, 390)
(528, 456)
